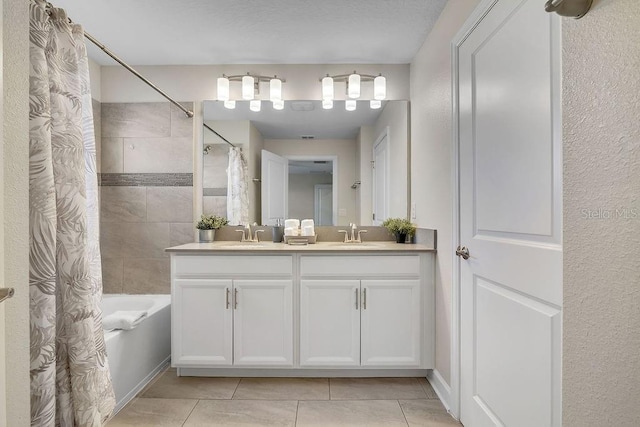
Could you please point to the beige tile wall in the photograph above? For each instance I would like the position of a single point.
(138, 223)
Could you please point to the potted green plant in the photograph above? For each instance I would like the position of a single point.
(400, 227)
(208, 225)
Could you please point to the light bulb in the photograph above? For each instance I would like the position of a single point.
(223, 89)
(379, 88)
(275, 89)
(350, 104)
(278, 104)
(375, 104)
(230, 104)
(248, 90)
(327, 104)
(254, 105)
(327, 88)
(354, 86)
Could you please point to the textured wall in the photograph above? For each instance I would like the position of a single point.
(15, 183)
(601, 115)
(431, 152)
(137, 222)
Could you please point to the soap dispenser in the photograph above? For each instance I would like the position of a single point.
(278, 231)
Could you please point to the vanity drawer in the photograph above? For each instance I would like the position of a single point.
(237, 265)
(360, 265)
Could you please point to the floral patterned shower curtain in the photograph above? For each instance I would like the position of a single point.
(70, 382)
(237, 188)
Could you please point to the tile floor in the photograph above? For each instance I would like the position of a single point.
(191, 401)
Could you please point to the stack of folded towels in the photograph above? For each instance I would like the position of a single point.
(293, 227)
(126, 320)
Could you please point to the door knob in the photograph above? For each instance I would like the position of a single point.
(463, 252)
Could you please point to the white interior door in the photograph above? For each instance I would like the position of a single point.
(510, 217)
(381, 160)
(274, 187)
(323, 204)
(3, 383)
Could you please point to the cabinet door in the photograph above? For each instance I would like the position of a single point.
(391, 322)
(201, 317)
(263, 322)
(329, 323)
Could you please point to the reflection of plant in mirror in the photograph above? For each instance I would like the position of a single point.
(211, 222)
(400, 226)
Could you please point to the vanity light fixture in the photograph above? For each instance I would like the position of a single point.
(354, 82)
(250, 87)
(255, 105)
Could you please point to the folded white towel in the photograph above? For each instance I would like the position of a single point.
(308, 231)
(290, 231)
(123, 320)
(306, 223)
(291, 223)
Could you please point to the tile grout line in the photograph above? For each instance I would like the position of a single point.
(403, 414)
(236, 389)
(191, 412)
(295, 423)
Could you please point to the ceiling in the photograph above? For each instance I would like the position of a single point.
(200, 32)
(299, 118)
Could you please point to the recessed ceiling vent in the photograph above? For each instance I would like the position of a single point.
(307, 136)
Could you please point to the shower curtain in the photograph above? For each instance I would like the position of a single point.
(70, 381)
(237, 188)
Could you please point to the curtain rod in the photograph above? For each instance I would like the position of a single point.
(220, 136)
(115, 57)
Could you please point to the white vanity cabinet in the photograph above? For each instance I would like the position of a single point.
(302, 312)
(366, 312)
(232, 310)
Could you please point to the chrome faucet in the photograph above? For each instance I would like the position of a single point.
(352, 238)
(246, 234)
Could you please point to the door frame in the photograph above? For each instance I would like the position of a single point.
(478, 14)
(384, 135)
(334, 179)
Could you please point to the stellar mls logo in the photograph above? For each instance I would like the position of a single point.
(600, 213)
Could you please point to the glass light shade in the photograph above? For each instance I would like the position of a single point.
(230, 104)
(248, 83)
(379, 88)
(350, 104)
(327, 104)
(223, 89)
(278, 104)
(327, 88)
(275, 89)
(353, 90)
(375, 104)
(254, 105)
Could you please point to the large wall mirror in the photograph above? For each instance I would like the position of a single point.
(303, 161)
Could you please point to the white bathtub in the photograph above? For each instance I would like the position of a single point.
(136, 356)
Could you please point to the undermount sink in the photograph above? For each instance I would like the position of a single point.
(356, 245)
(241, 245)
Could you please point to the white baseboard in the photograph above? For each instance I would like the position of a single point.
(441, 387)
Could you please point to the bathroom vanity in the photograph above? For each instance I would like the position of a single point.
(328, 309)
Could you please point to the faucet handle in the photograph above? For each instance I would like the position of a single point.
(257, 239)
(346, 235)
(359, 235)
(242, 238)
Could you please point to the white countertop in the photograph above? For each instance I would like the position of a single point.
(252, 247)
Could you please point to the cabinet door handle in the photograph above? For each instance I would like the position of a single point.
(364, 298)
(356, 298)
(235, 298)
(227, 292)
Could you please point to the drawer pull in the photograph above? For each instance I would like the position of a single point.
(235, 298)
(364, 298)
(227, 292)
(356, 298)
